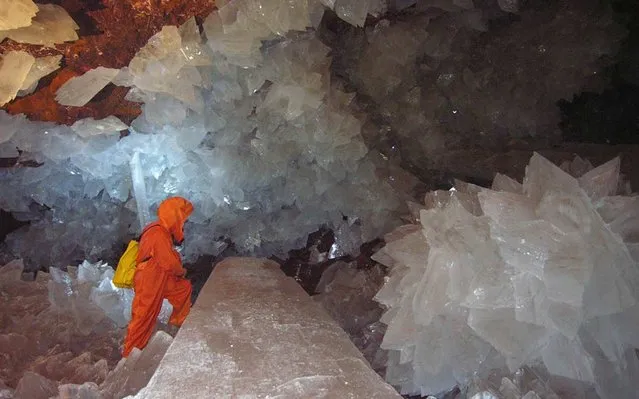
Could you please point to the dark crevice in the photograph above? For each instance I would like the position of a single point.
(8, 224)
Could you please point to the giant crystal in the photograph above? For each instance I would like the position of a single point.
(139, 191)
(16, 13)
(90, 127)
(529, 279)
(133, 372)
(42, 67)
(14, 69)
(257, 137)
(79, 90)
(51, 25)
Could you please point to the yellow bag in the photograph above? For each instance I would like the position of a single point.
(125, 272)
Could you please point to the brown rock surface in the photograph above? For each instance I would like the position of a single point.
(114, 30)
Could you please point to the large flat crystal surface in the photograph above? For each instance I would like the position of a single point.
(16, 13)
(81, 89)
(253, 332)
(42, 67)
(14, 69)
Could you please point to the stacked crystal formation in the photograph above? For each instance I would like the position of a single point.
(65, 341)
(545, 272)
(20, 72)
(242, 121)
(26, 22)
(17, 13)
(80, 290)
(129, 376)
(71, 341)
(525, 383)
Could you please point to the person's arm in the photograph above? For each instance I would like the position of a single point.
(164, 254)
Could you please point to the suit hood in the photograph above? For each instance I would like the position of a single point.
(172, 214)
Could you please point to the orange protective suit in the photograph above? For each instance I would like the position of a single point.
(159, 274)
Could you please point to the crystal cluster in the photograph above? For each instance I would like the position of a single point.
(74, 344)
(51, 24)
(525, 383)
(440, 80)
(355, 12)
(20, 73)
(71, 338)
(26, 22)
(42, 66)
(91, 285)
(540, 272)
(14, 70)
(250, 129)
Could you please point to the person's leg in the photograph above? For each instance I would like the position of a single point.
(149, 288)
(178, 292)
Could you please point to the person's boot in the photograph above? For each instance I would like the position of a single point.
(172, 330)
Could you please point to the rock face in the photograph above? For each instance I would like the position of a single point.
(443, 80)
(254, 332)
(520, 274)
(347, 295)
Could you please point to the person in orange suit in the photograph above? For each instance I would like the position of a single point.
(159, 274)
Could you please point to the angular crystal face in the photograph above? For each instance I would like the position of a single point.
(81, 89)
(16, 14)
(532, 277)
(51, 25)
(14, 70)
(42, 67)
(601, 181)
(247, 121)
(90, 127)
(243, 119)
